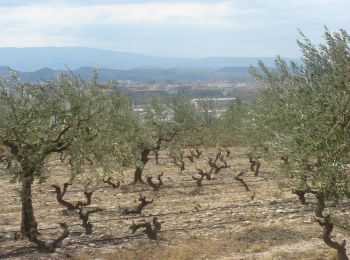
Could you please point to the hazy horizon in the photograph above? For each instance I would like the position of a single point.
(138, 53)
(36, 58)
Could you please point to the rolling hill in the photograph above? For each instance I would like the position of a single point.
(58, 58)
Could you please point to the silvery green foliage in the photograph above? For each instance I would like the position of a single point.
(305, 113)
(67, 115)
(165, 120)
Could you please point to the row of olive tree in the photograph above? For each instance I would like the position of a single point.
(82, 122)
(223, 129)
(65, 116)
(305, 116)
(165, 121)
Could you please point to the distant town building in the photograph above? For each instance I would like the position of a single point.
(217, 105)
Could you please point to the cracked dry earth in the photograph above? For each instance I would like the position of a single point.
(217, 221)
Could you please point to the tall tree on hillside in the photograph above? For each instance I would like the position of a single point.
(163, 121)
(305, 115)
(65, 116)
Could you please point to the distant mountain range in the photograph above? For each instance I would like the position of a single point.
(58, 58)
(44, 63)
(139, 75)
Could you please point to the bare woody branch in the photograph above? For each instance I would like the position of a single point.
(143, 202)
(327, 225)
(254, 164)
(301, 195)
(108, 181)
(179, 162)
(70, 206)
(49, 247)
(150, 231)
(205, 174)
(155, 186)
(84, 216)
(198, 180)
(160, 178)
(240, 179)
(215, 167)
(302, 192)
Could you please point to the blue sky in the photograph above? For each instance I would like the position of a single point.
(242, 28)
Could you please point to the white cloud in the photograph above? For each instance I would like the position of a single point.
(57, 23)
(149, 26)
(65, 15)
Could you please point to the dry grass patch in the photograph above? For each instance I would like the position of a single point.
(258, 239)
(308, 255)
(253, 239)
(80, 257)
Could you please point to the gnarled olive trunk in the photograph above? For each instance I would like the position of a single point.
(327, 225)
(139, 169)
(138, 175)
(145, 158)
(156, 155)
(28, 224)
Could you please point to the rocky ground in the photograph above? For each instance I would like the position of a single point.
(217, 221)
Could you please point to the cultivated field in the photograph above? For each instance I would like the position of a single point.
(217, 221)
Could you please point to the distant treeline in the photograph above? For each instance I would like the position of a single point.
(138, 75)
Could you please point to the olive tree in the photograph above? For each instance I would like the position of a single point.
(164, 120)
(38, 120)
(305, 115)
(229, 128)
